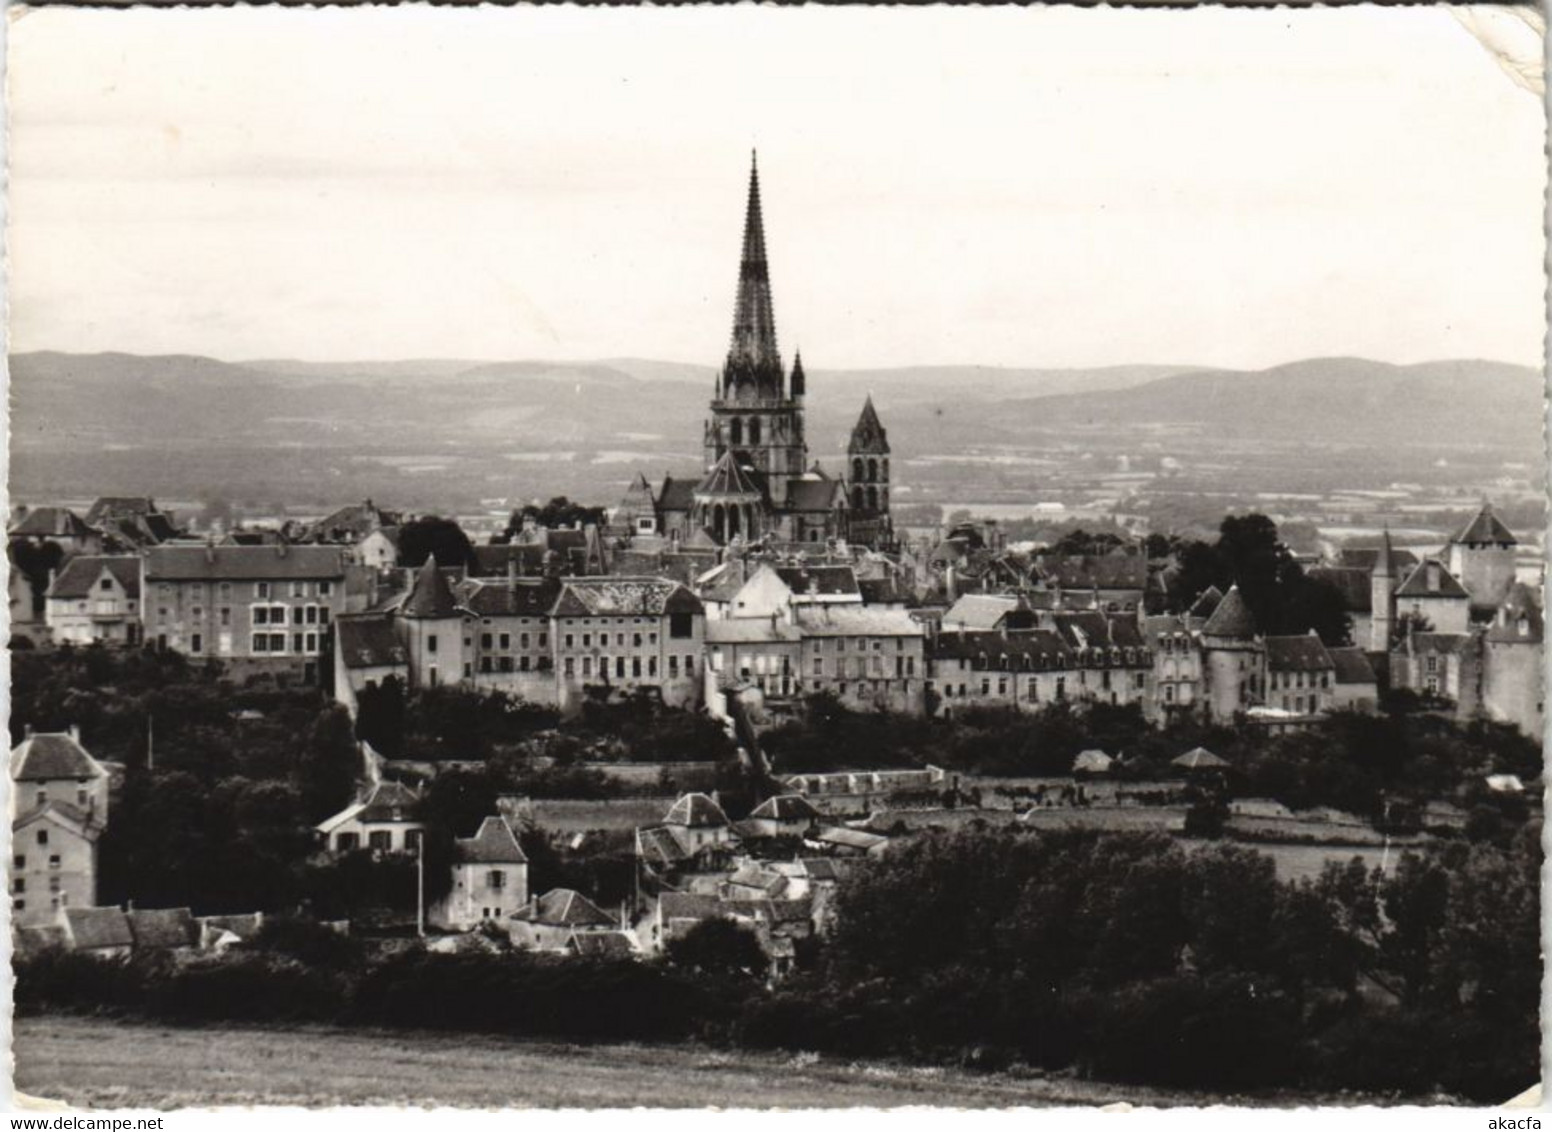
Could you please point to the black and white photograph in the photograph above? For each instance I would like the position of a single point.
(775, 558)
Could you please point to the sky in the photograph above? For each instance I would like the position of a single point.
(1023, 187)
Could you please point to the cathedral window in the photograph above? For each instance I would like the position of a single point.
(736, 430)
(754, 430)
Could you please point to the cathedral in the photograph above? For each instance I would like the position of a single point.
(758, 481)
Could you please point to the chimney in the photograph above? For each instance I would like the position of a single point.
(511, 568)
(27, 731)
(75, 732)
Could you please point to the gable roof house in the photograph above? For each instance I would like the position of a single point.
(95, 600)
(490, 878)
(551, 922)
(384, 819)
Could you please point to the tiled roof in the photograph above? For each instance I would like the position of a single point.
(493, 844)
(786, 807)
(1231, 619)
(1301, 653)
(389, 801)
(753, 875)
(1485, 527)
(695, 811)
(603, 945)
(524, 598)
(826, 581)
(162, 928)
(432, 596)
(1352, 666)
(564, 907)
(1352, 582)
(855, 621)
(369, 641)
(1430, 578)
(52, 522)
(49, 755)
(243, 563)
(614, 596)
(91, 928)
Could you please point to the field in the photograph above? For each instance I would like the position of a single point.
(95, 1063)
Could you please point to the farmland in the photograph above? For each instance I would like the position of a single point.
(97, 1063)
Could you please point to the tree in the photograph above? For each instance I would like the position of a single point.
(558, 513)
(380, 713)
(719, 947)
(329, 765)
(432, 534)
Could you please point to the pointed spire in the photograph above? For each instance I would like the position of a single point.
(799, 381)
(431, 596)
(868, 435)
(1386, 566)
(752, 356)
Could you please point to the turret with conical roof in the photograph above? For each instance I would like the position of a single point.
(1382, 596)
(1233, 659)
(432, 595)
(432, 627)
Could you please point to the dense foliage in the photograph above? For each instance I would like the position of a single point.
(1121, 955)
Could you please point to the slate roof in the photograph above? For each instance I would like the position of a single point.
(1301, 653)
(525, 598)
(614, 596)
(564, 907)
(1094, 571)
(1352, 582)
(1206, 603)
(159, 929)
(786, 807)
(868, 436)
(1485, 527)
(369, 641)
(389, 801)
(1520, 602)
(676, 495)
(1092, 629)
(813, 494)
(243, 563)
(1231, 619)
(493, 844)
(696, 811)
(1025, 650)
(92, 928)
(1352, 666)
(47, 755)
(880, 591)
(825, 581)
(431, 597)
(52, 522)
(1430, 578)
(979, 611)
(727, 480)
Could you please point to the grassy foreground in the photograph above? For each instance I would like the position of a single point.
(99, 1064)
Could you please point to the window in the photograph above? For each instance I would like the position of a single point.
(297, 643)
(587, 665)
(569, 640)
(506, 663)
(636, 667)
(19, 861)
(484, 640)
(260, 642)
(297, 613)
(226, 615)
(636, 640)
(325, 589)
(431, 642)
(496, 878)
(544, 640)
(298, 589)
(689, 666)
(673, 666)
(380, 839)
(587, 640)
(277, 642)
(312, 615)
(261, 589)
(347, 842)
(42, 837)
(105, 584)
(568, 667)
(196, 643)
(485, 665)
(619, 667)
(19, 884)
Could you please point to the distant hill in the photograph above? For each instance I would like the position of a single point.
(435, 429)
(1430, 404)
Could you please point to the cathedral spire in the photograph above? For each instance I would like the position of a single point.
(752, 356)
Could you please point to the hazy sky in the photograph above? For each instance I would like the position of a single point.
(1022, 187)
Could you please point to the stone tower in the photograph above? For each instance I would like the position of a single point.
(755, 414)
(1382, 597)
(868, 458)
(1482, 558)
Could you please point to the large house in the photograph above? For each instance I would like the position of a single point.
(256, 609)
(490, 878)
(59, 808)
(95, 600)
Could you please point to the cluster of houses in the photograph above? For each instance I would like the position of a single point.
(549, 618)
